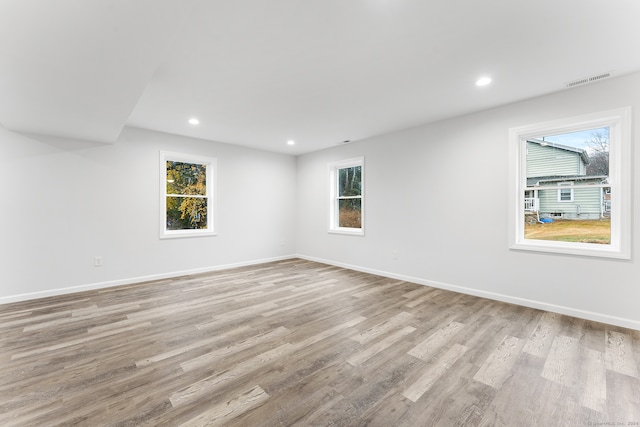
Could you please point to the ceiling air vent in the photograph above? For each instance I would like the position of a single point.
(590, 79)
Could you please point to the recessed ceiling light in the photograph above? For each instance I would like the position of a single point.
(291, 142)
(194, 121)
(483, 81)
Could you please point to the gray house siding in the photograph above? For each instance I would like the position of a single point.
(549, 160)
(551, 165)
(586, 204)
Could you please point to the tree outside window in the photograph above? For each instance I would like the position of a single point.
(347, 197)
(186, 200)
(350, 197)
(186, 179)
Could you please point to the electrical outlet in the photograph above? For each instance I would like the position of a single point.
(394, 255)
(98, 261)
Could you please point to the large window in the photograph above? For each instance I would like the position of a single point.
(347, 197)
(186, 198)
(570, 185)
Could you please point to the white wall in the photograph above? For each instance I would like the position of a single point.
(64, 202)
(438, 195)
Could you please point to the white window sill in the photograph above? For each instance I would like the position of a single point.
(179, 234)
(347, 231)
(571, 248)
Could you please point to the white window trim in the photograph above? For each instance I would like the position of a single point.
(560, 190)
(333, 196)
(619, 123)
(211, 163)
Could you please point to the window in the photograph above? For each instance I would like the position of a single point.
(565, 194)
(570, 185)
(187, 205)
(347, 197)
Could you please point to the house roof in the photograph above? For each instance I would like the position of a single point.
(538, 180)
(582, 152)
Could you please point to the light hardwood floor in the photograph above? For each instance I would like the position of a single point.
(301, 343)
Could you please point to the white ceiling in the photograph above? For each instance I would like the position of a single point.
(260, 72)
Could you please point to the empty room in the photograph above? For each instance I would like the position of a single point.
(319, 213)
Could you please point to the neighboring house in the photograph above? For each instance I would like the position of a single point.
(562, 167)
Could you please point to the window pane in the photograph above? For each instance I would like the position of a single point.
(565, 200)
(350, 213)
(584, 153)
(565, 194)
(350, 181)
(186, 178)
(593, 153)
(186, 213)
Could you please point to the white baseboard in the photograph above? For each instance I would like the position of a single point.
(92, 286)
(583, 314)
(574, 312)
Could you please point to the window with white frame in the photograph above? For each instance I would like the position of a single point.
(565, 193)
(347, 196)
(187, 184)
(570, 183)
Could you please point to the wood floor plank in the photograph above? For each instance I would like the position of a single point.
(361, 357)
(420, 300)
(594, 387)
(212, 357)
(208, 341)
(499, 365)
(221, 413)
(418, 292)
(619, 354)
(307, 301)
(539, 343)
(36, 319)
(374, 290)
(429, 347)
(296, 342)
(562, 364)
(219, 379)
(434, 372)
(623, 398)
(237, 314)
(382, 327)
(78, 341)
